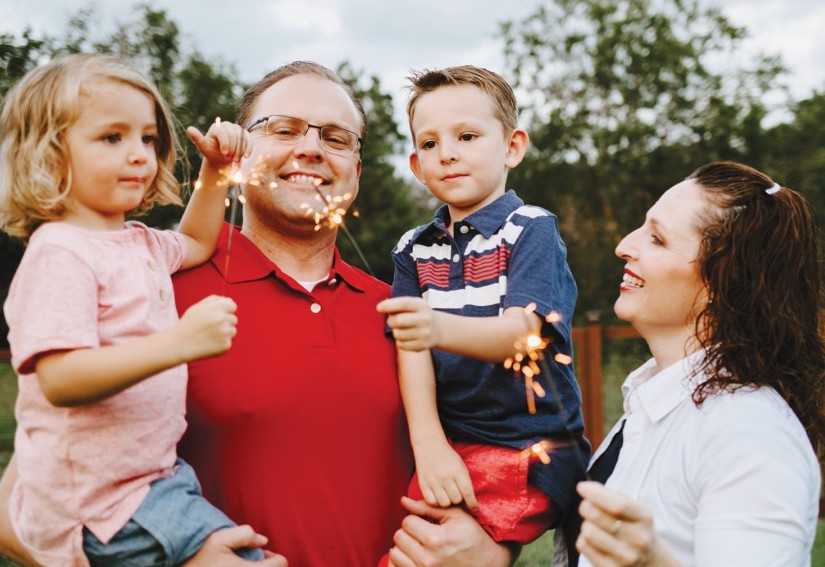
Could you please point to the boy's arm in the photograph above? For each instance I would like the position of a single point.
(87, 375)
(442, 475)
(417, 326)
(223, 145)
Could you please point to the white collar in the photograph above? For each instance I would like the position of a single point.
(661, 391)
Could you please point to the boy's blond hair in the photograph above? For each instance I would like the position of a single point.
(35, 173)
(492, 84)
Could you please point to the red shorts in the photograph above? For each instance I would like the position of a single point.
(509, 508)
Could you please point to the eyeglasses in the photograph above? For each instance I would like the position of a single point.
(289, 130)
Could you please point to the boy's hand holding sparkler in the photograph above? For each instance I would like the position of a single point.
(413, 322)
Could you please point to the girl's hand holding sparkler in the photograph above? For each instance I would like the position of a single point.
(223, 144)
(413, 322)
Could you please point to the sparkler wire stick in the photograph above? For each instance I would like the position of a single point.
(236, 178)
(325, 199)
(554, 393)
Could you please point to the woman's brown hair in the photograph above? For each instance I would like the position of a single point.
(759, 258)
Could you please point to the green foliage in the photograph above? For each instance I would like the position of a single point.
(622, 100)
(387, 205)
(199, 90)
(797, 151)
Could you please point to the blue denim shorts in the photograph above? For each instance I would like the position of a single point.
(169, 527)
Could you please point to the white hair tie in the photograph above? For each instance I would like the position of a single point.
(773, 189)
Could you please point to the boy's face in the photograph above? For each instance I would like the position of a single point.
(461, 152)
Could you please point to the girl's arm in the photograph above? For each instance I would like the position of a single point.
(222, 147)
(416, 326)
(83, 376)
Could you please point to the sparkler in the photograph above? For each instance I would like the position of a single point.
(332, 215)
(235, 190)
(530, 361)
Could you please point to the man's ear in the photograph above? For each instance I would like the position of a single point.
(415, 167)
(516, 148)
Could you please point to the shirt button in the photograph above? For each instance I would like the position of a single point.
(464, 229)
(315, 308)
(333, 281)
(162, 295)
(151, 265)
(456, 258)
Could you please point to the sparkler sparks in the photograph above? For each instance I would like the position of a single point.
(526, 362)
(529, 361)
(331, 215)
(539, 450)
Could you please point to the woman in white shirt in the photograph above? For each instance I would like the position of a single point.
(717, 464)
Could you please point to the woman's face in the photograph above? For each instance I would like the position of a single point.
(662, 287)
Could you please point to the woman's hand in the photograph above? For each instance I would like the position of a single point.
(617, 531)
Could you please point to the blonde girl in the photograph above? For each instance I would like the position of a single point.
(99, 350)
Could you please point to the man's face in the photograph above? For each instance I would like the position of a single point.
(290, 182)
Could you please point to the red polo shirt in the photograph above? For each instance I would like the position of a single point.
(298, 430)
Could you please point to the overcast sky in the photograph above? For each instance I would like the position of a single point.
(389, 37)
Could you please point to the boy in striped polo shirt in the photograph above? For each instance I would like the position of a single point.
(461, 286)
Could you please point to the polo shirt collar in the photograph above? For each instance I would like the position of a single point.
(248, 263)
(487, 221)
(660, 392)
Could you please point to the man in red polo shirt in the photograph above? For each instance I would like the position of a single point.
(298, 430)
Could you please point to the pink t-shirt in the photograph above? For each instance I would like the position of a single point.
(90, 465)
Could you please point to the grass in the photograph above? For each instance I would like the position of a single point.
(619, 358)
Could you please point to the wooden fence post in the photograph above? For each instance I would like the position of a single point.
(590, 364)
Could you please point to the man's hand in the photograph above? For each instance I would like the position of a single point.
(446, 537)
(217, 550)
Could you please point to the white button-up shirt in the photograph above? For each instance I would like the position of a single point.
(734, 482)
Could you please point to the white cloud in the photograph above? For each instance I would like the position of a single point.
(387, 38)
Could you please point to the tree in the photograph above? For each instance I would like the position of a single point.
(199, 90)
(622, 98)
(797, 151)
(387, 205)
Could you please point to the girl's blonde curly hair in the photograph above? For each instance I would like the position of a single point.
(35, 172)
